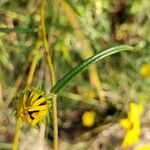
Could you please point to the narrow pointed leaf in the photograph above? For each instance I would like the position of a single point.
(18, 30)
(81, 67)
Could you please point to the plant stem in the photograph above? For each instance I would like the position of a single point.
(17, 134)
(52, 74)
(33, 65)
(47, 54)
(55, 124)
(29, 81)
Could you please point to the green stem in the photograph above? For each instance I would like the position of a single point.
(17, 134)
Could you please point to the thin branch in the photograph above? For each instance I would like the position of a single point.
(51, 73)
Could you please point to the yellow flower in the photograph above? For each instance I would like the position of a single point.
(32, 106)
(145, 70)
(132, 125)
(88, 118)
(89, 94)
(144, 147)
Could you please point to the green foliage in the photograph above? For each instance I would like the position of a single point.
(102, 24)
(18, 30)
(81, 67)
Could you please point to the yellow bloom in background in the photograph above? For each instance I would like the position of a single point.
(88, 118)
(132, 125)
(144, 147)
(89, 94)
(145, 70)
(32, 107)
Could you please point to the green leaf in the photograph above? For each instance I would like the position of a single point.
(18, 30)
(81, 67)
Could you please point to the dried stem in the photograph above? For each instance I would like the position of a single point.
(51, 72)
(33, 65)
(17, 134)
(86, 51)
(29, 81)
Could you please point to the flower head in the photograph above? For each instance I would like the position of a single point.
(145, 70)
(88, 118)
(132, 125)
(32, 106)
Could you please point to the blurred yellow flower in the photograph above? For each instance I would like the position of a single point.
(145, 70)
(88, 118)
(89, 94)
(144, 147)
(132, 125)
(32, 107)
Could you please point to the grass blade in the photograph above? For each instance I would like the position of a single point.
(81, 67)
(19, 30)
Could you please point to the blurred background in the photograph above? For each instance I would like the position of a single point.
(90, 107)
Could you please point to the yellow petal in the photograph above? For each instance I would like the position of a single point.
(34, 98)
(144, 147)
(34, 108)
(125, 123)
(34, 122)
(88, 118)
(38, 102)
(135, 113)
(145, 70)
(130, 139)
(40, 114)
